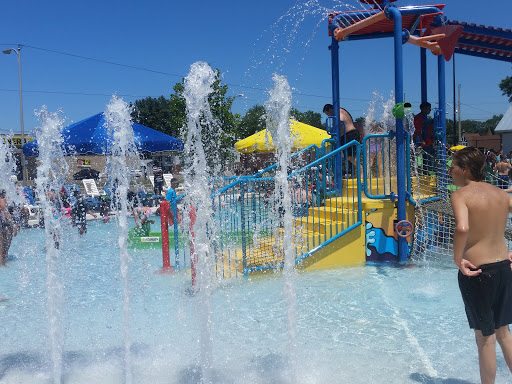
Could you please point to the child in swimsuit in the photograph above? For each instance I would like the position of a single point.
(481, 212)
(141, 216)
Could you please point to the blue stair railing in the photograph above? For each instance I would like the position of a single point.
(248, 218)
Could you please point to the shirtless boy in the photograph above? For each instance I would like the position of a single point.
(503, 167)
(480, 252)
(351, 132)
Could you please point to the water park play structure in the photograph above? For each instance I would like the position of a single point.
(379, 207)
(313, 209)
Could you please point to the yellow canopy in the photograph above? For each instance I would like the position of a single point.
(303, 136)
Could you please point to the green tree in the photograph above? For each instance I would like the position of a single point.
(252, 122)
(491, 124)
(218, 140)
(178, 107)
(506, 87)
(359, 120)
(308, 117)
(471, 126)
(154, 113)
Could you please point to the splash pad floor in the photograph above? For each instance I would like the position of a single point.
(355, 325)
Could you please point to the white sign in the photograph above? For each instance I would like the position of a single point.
(149, 239)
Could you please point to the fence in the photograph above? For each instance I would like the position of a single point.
(249, 211)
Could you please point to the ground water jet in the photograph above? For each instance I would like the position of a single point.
(122, 152)
(200, 140)
(277, 110)
(52, 167)
(8, 168)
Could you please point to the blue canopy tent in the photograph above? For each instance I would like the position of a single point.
(90, 136)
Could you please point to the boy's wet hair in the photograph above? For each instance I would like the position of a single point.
(2, 194)
(472, 159)
(328, 107)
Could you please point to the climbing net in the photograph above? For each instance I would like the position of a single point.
(431, 189)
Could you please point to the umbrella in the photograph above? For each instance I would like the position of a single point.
(90, 136)
(87, 173)
(303, 136)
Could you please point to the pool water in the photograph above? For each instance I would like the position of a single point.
(355, 325)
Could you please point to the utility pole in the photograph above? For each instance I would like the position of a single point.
(460, 122)
(454, 103)
(17, 51)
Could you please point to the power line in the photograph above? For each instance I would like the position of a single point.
(162, 73)
(104, 61)
(70, 93)
(165, 73)
(478, 109)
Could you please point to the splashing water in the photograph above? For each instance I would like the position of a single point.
(52, 167)
(277, 110)
(8, 167)
(293, 33)
(409, 126)
(122, 152)
(200, 139)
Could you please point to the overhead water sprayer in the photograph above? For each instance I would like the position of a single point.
(401, 109)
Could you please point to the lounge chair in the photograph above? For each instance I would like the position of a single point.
(149, 200)
(167, 180)
(91, 189)
(93, 194)
(29, 195)
(108, 190)
(71, 188)
(34, 211)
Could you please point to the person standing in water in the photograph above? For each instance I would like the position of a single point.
(502, 167)
(5, 229)
(347, 133)
(424, 135)
(79, 213)
(480, 253)
(158, 179)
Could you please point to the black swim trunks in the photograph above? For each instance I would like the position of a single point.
(488, 297)
(351, 135)
(502, 181)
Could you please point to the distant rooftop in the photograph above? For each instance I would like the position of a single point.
(505, 124)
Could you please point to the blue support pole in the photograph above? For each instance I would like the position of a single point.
(174, 208)
(423, 61)
(394, 13)
(335, 69)
(242, 221)
(441, 130)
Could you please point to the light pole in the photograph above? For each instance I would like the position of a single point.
(18, 55)
(455, 112)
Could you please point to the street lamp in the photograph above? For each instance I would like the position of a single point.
(18, 55)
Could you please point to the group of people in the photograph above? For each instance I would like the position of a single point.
(499, 165)
(71, 207)
(423, 136)
(141, 214)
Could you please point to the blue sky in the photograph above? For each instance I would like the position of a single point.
(246, 41)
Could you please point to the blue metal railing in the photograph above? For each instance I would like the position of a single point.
(376, 150)
(321, 213)
(304, 156)
(248, 215)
